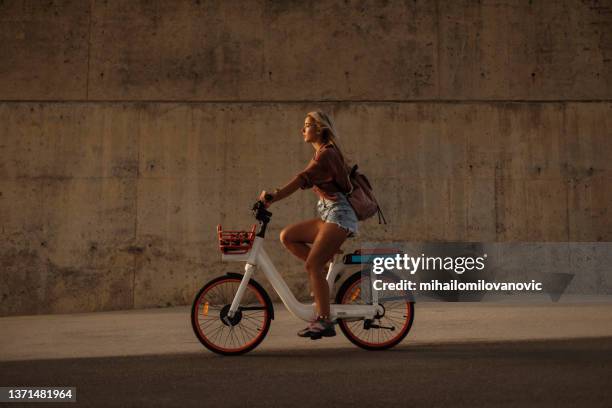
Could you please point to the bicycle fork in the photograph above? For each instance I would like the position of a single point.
(248, 271)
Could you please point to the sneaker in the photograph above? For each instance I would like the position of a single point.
(318, 328)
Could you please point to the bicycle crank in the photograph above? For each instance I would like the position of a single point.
(367, 324)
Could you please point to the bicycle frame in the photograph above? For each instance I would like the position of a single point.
(257, 256)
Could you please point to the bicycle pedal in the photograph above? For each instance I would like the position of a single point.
(319, 335)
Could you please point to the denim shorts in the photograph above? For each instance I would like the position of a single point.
(339, 212)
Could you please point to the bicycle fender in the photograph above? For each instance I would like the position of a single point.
(258, 286)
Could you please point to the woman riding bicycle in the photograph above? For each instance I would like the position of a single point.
(327, 175)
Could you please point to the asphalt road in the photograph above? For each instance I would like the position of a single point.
(559, 373)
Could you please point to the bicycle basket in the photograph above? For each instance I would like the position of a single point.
(235, 242)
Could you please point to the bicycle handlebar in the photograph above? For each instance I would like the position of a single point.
(261, 213)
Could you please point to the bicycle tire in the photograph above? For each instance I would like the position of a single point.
(253, 329)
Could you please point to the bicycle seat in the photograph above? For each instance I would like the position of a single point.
(366, 255)
(370, 251)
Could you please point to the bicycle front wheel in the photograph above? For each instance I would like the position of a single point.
(230, 335)
(388, 328)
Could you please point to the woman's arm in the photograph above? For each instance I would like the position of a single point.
(318, 170)
(287, 189)
(283, 192)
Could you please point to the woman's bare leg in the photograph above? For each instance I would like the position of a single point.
(327, 242)
(295, 237)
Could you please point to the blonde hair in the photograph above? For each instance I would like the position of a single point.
(328, 127)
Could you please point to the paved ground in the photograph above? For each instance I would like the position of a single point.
(458, 354)
(570, 373)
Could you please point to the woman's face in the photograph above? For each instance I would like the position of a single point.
(309, 130)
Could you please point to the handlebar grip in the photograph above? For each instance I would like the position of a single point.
(268, 197)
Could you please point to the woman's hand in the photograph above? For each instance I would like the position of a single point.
(262, 198)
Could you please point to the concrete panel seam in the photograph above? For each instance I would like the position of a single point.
(303, 101)
(88, 52)
(437, 9)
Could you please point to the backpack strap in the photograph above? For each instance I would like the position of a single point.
(381, 215)
(348, 178)
(349, 174)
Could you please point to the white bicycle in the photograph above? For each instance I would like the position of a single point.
(231, 314)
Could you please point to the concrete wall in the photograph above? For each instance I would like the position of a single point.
(290, 51)
(128, 130)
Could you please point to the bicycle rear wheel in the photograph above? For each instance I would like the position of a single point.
(240, 333)
(388, 328)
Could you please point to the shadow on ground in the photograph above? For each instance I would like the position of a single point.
(532, 373)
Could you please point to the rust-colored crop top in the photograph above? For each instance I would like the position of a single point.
(326, 173)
